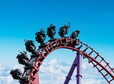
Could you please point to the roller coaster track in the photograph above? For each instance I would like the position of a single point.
(93, 57)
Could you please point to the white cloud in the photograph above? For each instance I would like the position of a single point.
(55, 72)
(5, 77)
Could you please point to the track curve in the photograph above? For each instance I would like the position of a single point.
(93, 57)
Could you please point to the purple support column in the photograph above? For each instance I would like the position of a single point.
(68, 78)
(79, 66)
(77, 62)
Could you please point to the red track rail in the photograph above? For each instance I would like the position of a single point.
(93, 57)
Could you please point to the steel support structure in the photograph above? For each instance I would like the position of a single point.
(79, 68)
(36, 81)
(105, 69)
(77, 63)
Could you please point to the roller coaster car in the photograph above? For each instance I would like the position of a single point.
(30, 46)
(51, 32)
(40, 38)
(16, 74)
(63, 30)
(75, 34)
(23, 59)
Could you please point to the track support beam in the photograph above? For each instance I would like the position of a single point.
(77, 62)
(36, 80)
(79, 68)
(68, 78)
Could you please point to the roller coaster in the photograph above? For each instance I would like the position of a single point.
(32, 65)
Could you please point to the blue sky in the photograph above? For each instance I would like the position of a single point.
(20, 19)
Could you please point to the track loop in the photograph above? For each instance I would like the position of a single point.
(93, 57)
